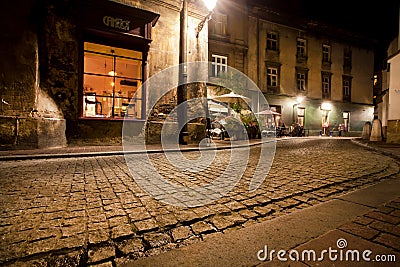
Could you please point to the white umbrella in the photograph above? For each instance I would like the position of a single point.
(216, 106)
(268, 112)
(231, 98)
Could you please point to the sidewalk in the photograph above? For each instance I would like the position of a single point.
(392, 150)
(366, 219)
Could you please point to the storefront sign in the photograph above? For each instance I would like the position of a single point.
(116, 23)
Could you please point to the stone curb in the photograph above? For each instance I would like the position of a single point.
(381, 151)
(121, 152)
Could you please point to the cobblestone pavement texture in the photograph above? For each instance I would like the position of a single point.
(90, 211)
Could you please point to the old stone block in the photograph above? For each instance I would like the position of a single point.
(101, 253)
(131, 245)
(393, 132)
(166, 220)
(98, 236)
(146, 225)
(389, 240)
(157, 239)
(7, 130)
(71, 242)
(182, 232)
(384, 217)
(122, 230)
(359, 230)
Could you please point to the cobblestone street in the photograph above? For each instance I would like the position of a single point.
(90, 211)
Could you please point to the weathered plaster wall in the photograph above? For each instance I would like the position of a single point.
(30, 117)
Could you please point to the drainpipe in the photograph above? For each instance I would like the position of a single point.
(16, 129)
(258, 53)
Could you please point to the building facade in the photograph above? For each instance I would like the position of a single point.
(388, 81)
(74, 69)
(288, 58)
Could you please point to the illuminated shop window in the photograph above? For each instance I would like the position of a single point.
(112, 80)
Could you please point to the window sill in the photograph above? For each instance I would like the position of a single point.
(109, 119)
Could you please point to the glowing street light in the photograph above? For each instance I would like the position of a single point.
(210, 4)
(299, 99)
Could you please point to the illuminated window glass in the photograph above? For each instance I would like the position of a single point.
(272, 77)
(111, 82)
(219, 64)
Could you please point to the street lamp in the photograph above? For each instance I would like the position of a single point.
(182, 87)
(210, 4)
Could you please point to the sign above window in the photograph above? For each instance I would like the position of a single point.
(116, 23)
(107, 16)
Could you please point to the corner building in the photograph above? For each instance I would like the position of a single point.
(73, 70)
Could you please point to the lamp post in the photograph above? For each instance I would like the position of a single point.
(182, 88)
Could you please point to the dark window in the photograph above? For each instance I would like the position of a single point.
(272, 41)
(218, 24)
(347, 61)
(301, 48)
(326, 53)
(347, 89)
(326, 85)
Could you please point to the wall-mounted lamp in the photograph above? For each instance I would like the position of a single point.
(210, 4)
(326, 106)
(299, 99)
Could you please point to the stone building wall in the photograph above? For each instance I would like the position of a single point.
(41, 69)
(28, 113)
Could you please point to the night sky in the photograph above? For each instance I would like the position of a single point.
(378, 20)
